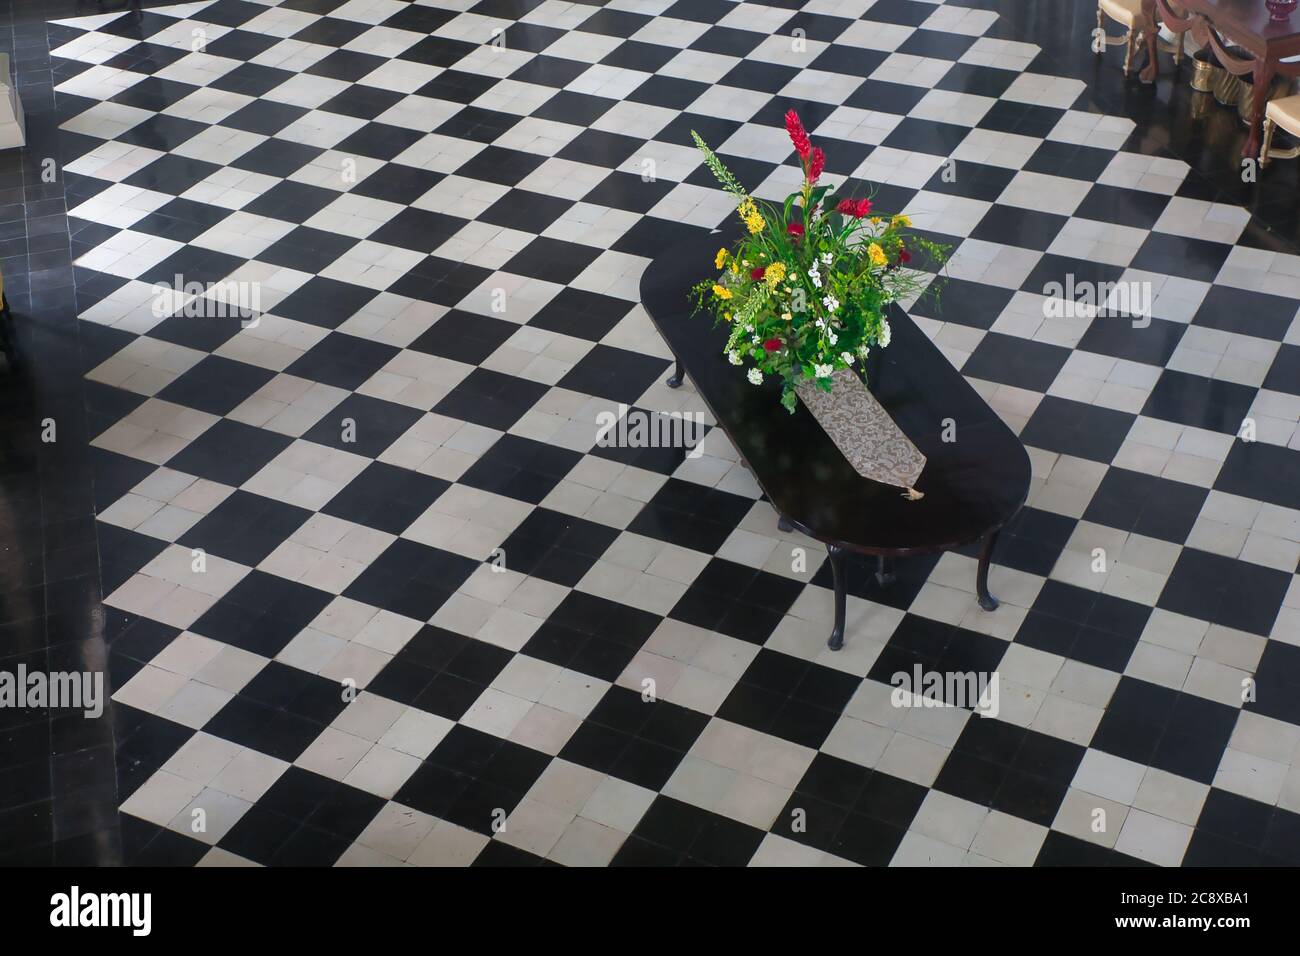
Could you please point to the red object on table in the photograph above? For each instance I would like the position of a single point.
(1246, 24)
(1281, 9)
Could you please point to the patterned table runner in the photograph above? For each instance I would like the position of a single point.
(863, 431)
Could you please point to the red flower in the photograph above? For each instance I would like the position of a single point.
(795, 229)
(904, 256)
(857, 209)
(816, 164)
(758, 273)
(798, 135)
(772, 345)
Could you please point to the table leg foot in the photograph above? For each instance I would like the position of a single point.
(885, 572)
(837, 570)
(783, 524)
(675, 380)
(986, 600)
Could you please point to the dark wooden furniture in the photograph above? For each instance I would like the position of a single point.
(973, 485)
(8, 347)
(1220, 23)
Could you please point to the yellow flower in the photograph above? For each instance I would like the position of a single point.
(720, 258)
(876, 220)
(901, 221)
(774, 274)
(749, 213)
(876, 255)
(721, 292)
(786, 316)
(726, 316)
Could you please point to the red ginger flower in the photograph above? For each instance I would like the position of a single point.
(904, 256)
(772, 345)
(857, 210)
(795, 229)
(798, 135)
(758, 273)
(816, 164)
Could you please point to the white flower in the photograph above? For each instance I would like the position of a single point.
(846, 357)
(831, 337)
(815, 276)
(823, 371)
(733, 357)
(863, 351)
(828, 258)
(755, 377)
(884, 333)
(830, 302)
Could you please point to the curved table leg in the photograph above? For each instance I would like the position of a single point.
(987, 601)
(1264, 70)
(675, 380)
(885, 571)
(1152, 69)
(837, 570)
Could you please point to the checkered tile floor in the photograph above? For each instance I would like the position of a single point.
(353, 466)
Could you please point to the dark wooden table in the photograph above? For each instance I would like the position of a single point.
(973, 485)
(1218, 23)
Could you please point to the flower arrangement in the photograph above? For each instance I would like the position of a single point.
(806, 286)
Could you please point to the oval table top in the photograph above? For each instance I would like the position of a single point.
(973, 485)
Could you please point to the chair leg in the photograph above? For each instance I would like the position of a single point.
(1268, 142)
(1128, 50)
(1178, 53)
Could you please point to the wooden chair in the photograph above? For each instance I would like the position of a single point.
(1128, 14)
(1284, 112)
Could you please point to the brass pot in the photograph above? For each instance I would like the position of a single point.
(1204, 73)
(1245, 105)
(1227, 89)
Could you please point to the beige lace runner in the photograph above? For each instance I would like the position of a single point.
(863, 431)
